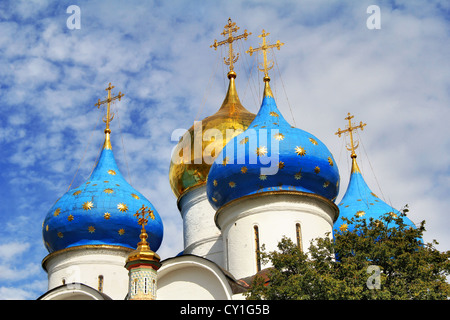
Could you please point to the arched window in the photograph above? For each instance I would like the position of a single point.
(145, 285)
(298, 233)
(100, 283)
(257, 253)
(154, 287)
(134, 286)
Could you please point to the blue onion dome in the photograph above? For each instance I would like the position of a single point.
(101, 211)
(360, 201)
(271, 155)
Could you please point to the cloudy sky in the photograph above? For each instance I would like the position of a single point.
(396, 79)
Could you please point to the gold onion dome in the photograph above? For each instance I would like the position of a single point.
(189, 168)
(232, 115)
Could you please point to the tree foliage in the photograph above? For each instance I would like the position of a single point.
(338, 267)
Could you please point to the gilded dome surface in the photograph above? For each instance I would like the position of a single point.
(272, 155)
(191, 169)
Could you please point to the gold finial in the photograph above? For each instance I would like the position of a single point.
(143, 251)
(228, 30)
(351, 127)
(264, 47)
(143, 214)
(108, 118)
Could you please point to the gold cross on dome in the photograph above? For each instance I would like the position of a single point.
(143, 214)
(351, 127)
(228, 31)
(264, 47)
(108, 107)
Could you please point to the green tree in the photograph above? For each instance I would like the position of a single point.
(338, 267)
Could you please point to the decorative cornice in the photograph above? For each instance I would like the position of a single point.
(324, 200)
(84, 247)
(190, 189)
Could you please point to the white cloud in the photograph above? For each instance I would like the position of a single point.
(9, 250)
(28, 291)
(14, 293)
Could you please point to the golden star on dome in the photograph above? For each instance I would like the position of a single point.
(112, 172)
(274, 114)
(314, 142)
(91, 229)
(88, 205)
(300, 151)
(107, 215)
(360, 213)
(298, 175)
(60, 235)
(70, 218)
(77, 192)
(215, 183)
(261, 151)
(330, 161)
(135, 196)
(57, 212)
(244, 141)
(108, 191)
(121, 232)
(244, 169)
(317, 169)
(262, 177)
(279, 136)
(225, 161)
(122, 207)
(232, 184)
(281, 165)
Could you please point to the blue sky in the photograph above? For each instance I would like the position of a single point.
(395, 79)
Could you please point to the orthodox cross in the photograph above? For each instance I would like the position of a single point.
(264, 47)
(230, 28)
(108, 102)
(142, 215)
(350, 130)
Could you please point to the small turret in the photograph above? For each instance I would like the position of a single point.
(143, 264)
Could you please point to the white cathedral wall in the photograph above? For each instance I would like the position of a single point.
(85, 264)
(275, 215)
(201, 235)
(192, 278)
